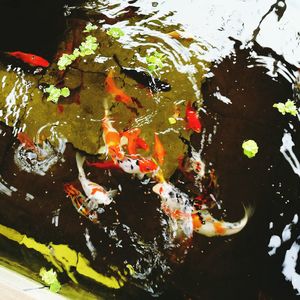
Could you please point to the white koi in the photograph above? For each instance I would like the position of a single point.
(206, 224)
(96, 193)
(177, 206)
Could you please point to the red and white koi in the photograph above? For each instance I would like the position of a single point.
(96, 193)
(204, 223)
(184, 218)
(177, 206)
(138, 165)
(80, 203)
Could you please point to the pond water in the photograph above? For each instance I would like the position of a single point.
(201, 77)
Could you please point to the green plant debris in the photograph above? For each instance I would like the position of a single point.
(90, 27)
(288, 107)
(87, 47)
(55, 93)
(115, 32)
(50, 279)
(172, 120)
(250, 148)
(155, 61)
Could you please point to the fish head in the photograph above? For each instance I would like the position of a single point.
(147, 165)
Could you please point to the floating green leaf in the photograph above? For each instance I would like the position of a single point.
(250, 148)
(288, 107)
(55, 93)
(90, 27)
(87, 47)
(115, 32)
(64, 61)
(155, 61)
(50, 279)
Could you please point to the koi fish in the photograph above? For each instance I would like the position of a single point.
(141, 143)
(109, 164)
(133, 141)
(192, 118)
(31, 59)
(112, 88)
(26, 141)
(193, 167)
(159, 151)
(96, 193)
(111, 138)
(144, 78)
(138, 166)
(177, 206)
(204, 223)
(129, 137)
(79, 201)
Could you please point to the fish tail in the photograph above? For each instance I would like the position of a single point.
(106, 108)
(79, 161)
(112, 193)
(213, 227)
(235, 227)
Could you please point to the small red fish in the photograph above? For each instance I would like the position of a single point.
(60, 108)
(31, 59)
(25, 140)
(159, 150)
(112, 88)
(192, 118)
(109, 164)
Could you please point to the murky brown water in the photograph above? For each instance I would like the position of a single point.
(249, 54)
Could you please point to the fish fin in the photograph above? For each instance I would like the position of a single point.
(140, 176)
(102, 150)
(112, 193)
(79, 161)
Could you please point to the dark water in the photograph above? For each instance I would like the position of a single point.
(253, 75)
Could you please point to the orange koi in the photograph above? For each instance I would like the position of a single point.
(79, 201)
(192, 118)
(112, 139)
(159, 151)
(131, 136)
(25, 140)
(112, 88)
(31, 59)
(141, 143)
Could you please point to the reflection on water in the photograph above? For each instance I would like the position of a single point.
(249, 54)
